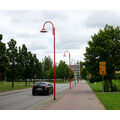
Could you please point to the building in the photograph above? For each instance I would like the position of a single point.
(76, 70)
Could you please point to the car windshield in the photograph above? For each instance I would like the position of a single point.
(39, 83)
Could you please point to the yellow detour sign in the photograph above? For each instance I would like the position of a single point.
(89, 76)
(102, 68)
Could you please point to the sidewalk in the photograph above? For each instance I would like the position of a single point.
(80, 97)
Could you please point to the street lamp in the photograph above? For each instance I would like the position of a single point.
(69, 67)
(53, 31)
(74, 70)
(77, 73)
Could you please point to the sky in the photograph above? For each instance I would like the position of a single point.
(73, 30)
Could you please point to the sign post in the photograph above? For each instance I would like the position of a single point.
(102, 70)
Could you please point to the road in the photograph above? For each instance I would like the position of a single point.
(23, 100)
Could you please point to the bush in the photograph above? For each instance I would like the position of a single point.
(95, 79)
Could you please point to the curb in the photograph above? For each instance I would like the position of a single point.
(44, 104)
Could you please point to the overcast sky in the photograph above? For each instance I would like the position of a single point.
(73, 30)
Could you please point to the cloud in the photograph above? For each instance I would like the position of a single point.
(100, 18)
(73, 30)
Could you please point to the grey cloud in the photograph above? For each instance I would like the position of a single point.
(59, 15)
(101, 18)
(73, 28)
(26, 35)
(37, 16)
(72, 43)
(36, 46)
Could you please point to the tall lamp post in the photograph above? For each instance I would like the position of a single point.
(53, 31)
(74, 70)
(77, 73)
(69, 67)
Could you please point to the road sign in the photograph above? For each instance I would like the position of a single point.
(102, 68)
(89, 76)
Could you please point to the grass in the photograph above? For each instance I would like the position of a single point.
(60, 82)
(6, 86)
(111, 100)
(96, 87)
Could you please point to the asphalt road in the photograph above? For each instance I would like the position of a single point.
(23, 100)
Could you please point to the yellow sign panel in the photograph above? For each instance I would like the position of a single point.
(102, 68)
(89, 76)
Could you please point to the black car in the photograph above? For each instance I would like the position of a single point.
(43, 88)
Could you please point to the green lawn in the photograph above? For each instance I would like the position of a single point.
(6, 86)
(98, 87)
(111, 100)
(60, 82)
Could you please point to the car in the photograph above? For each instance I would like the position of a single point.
(43, 88)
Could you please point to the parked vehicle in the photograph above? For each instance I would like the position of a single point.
(43, 88)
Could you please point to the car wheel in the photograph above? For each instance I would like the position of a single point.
(52, 91)
(48, 92)
(33, 93)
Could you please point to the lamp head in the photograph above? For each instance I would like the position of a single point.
(64, 55)
(43, 30)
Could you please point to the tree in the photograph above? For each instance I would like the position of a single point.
(62, 70)
(83, 70)
(12, 54)
(3, 58)
(50, 73)
(47, 63)
(83, 73)
(105, 46)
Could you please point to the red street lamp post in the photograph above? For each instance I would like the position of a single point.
(53, 31)
(69, 67)
(77, 73)
(74, 70)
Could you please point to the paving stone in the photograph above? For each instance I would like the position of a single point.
(80, 97)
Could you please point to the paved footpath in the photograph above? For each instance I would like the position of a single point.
(81, 97)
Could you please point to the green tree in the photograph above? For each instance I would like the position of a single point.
(50, 73)
(12, 54)
(47, 63)
(62, 70)
(105, 46)
(3, 58)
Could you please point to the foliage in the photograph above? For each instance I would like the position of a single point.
(62, 71)
(98, 86)
(47, 63)
(12, 54)
(3, 58)
(17, 63)
(83, 73)
(105, 46)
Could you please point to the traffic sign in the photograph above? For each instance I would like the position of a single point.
(90, 76)
(102, 68)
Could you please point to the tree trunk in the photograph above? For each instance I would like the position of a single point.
(12, 83)
(34, 81)
(25, 82)
(0, 77)
(111, 86)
